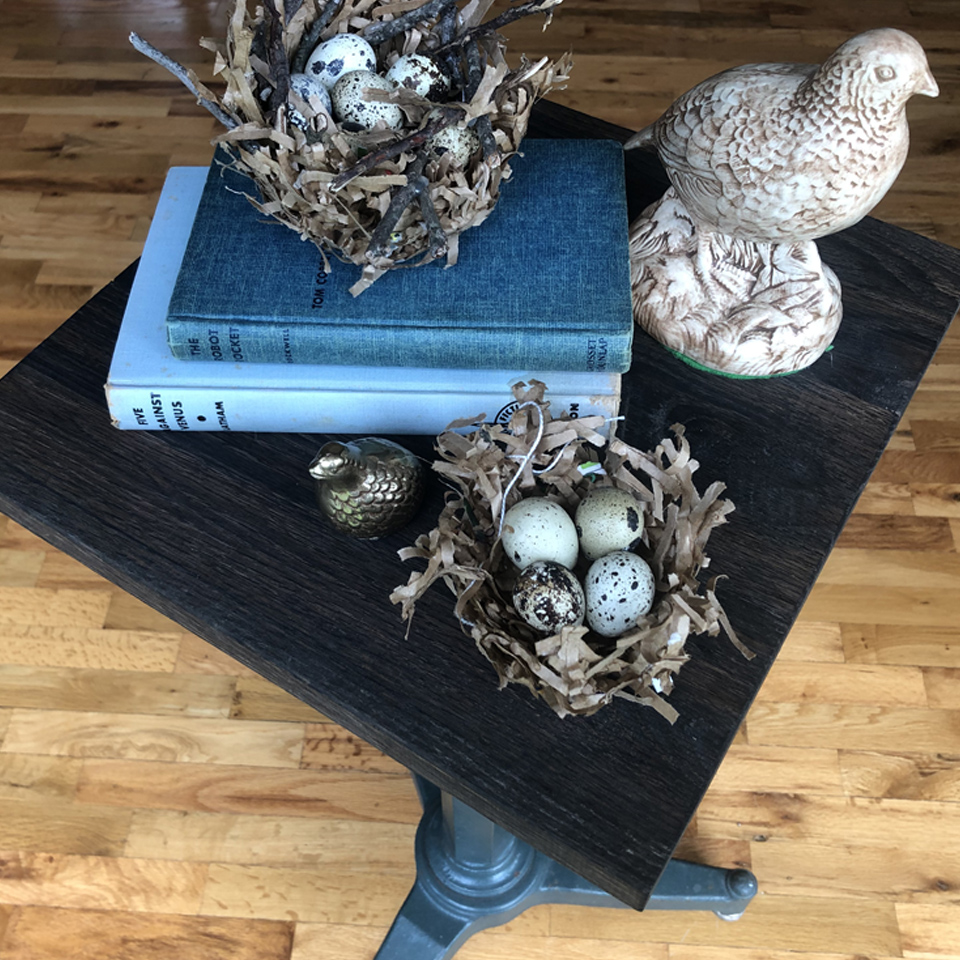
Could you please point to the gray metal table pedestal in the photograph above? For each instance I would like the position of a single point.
(472, 874)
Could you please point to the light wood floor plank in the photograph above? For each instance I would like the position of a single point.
(241, 789)
(331, 895)
(890, 824)
(901, 776)
(63, 827)
(171, 739)
(929, 931)
(685, 951)
(35, 607)
(801, 924)
(917, 873)
(812, 641)
(19, 568)
(72, 648)
(330, 747)
(101, 883)
(258, 699)
(779, 769)
(902, 644)
(845, 683)
(36, 779)
(854, 726)
(265, 840)
(116, 691)
(58, 934)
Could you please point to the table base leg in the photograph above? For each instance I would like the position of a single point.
(472, 874)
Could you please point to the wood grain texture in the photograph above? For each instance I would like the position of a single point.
(36, 932)
(843, 770)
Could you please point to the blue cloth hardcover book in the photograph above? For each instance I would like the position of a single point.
(147, 389)
(543, 283)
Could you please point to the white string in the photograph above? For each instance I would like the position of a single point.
(524, 460)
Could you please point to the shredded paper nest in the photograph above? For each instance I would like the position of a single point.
(336, 187)
(492, 467)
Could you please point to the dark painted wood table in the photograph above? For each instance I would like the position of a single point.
(220, 532)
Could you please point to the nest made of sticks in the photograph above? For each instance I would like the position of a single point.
(492, 467)
(378, 198)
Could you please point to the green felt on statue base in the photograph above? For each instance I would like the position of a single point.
(733, 376)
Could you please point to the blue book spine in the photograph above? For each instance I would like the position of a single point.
(543, 283)
(242, 341)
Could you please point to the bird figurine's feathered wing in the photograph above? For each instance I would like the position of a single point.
(367, 487)
(793, 151)
(763, 159)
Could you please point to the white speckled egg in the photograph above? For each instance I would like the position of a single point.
(351, 107)
(548, 596)
(340, 55)
(618, 588)
(461, 142)
(608, 519)
(420, 74)
(306, 87)
(539, 529)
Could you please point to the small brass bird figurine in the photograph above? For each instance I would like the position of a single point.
(369, 487)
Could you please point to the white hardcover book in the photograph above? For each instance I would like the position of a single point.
(148, 389)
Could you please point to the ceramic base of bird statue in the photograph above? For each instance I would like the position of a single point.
(743, 308)
(763, 160)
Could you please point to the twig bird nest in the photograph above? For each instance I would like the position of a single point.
(576, 671)
(386, 171)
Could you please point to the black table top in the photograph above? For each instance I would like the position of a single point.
(220, 532)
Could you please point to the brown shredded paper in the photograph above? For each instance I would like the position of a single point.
(295, 168)
(576, 671)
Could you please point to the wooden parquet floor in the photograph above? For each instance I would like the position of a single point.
(159, 800)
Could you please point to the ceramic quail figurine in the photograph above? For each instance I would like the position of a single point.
(763, 159)
(369, 487)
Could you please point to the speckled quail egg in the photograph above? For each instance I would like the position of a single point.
(548, 596)
(351, 107)
(460, 142)
(306, 87)
(340, 55)
(421, 74)
(618, 588)
(539, 529)
(608, 519)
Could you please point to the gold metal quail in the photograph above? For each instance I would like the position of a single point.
(367, 487)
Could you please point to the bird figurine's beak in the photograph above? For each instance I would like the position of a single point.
(928, 86)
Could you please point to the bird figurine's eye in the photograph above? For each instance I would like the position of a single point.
(884, 72)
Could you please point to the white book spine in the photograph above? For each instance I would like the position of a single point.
(287, 410)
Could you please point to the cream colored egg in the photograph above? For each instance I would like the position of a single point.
(351, 106)
(608, 519)
(460, 142)
(549, 597)
(308, 88)
(539, 529)
(338, 56)
(618, 589)
(421, 74)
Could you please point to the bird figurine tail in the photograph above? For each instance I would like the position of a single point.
(642, 139)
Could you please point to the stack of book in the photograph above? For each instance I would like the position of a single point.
(233, 323)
